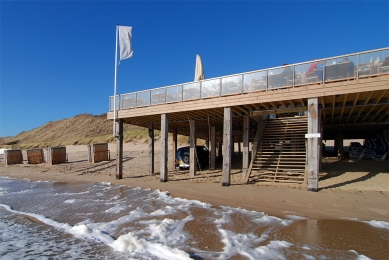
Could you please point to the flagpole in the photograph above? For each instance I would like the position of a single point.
(114, 88)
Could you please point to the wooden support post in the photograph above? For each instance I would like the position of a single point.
(192, 149)
(339, 144)
(232, 145)
(245, 155)
(213, 148)
(313, 144)
(227, 140)
(164, 148)
(151, 148)
(174, 146)
(255, 145)
(321, 139)
(119, 149)
(220, 146)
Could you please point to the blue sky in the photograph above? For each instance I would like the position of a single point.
(57, 57)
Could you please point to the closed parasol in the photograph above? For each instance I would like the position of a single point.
(199, 71)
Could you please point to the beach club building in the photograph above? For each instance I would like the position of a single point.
(277, 117)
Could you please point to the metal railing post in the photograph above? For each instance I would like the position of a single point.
(356, 68)
(220, 87)
(242, 84)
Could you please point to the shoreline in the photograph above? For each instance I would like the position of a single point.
(272, 200)
(363, 197)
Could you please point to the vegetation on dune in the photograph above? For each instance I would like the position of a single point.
(79, 130)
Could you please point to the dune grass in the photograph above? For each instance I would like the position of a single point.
(128, 136)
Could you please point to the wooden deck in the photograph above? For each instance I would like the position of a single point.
(359, 106)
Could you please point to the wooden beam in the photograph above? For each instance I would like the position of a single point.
(119, 149)
(313, 145)
(151, 148)
(192, 149)
(375, 105)
(278, 111)
(213, 148)
(245, 155)
(355, 102)
(320, 141)
(175, 146)
(283, 104)
(220, 145)
(339, 143)
(303, 92)
(227, 128)
(323, 105)
(333, 109)
(255, 146)
(386, 107)
(341, 113)
(164, 148)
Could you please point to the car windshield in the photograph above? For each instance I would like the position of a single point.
(182, 151)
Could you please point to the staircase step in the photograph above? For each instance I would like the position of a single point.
(277, 170)
(281, 156)
(268, 164)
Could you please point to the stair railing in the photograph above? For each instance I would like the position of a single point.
(256, 143)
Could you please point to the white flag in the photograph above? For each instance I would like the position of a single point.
(125, 41)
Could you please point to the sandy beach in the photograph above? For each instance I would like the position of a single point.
(349, 189)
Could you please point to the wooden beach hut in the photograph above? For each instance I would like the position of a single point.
(35, 156)
(98, 152)
(56, 155)
(13, 156)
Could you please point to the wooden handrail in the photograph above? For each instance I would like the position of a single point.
(257, 140)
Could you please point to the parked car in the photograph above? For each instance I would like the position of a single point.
(182, 157)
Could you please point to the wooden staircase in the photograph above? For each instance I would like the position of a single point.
(281, 156)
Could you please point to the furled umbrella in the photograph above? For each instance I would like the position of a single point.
(199, 71)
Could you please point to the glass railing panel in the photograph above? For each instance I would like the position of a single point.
(255, 81)
(191, 91)
(232, 85)
(372, 63)
(127, 101)
(210, 88)
(174, 94)
(158, 96)
(382, 62)
(143, 98)
(111, 103)
(277, 78)
(340, 68)
(366, 66)
(309, 73)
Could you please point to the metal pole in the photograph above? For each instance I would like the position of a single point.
(357, 73)
(114, 88)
